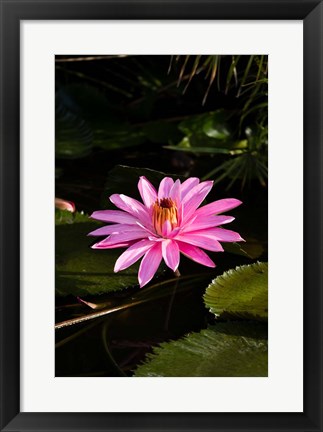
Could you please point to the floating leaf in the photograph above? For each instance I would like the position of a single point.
(242, 293)
(81, 270)
(223, 350)
(63, 217)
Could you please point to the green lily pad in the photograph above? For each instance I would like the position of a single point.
(81, 270)
(233, 349)
(63, 217)
(240, 293)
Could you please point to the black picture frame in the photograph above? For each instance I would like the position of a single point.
(12, 12)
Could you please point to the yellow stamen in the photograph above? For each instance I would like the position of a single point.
(163, 210)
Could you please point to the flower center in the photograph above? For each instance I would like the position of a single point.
(164, 210)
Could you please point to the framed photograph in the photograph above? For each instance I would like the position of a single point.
(161, 215)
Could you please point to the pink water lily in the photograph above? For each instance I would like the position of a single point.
(167, 223)
(64, 205)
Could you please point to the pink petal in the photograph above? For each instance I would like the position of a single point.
(194, 198)
(188, 184)
(132, 254)
(101, 245)
(175, 192)
(170, 252)
(149, 229)
(132, 206)
(173, 233)
(113, 216)
(149, 264)
(217, 207)
(166, 228)
(201, 239)
(195, 254)
(109, 229)
(64, 205)
(124, 237)
(147, 191)
(198, 223)
(225, 235)
(165, 187)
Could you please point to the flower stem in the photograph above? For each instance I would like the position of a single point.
(177, 273)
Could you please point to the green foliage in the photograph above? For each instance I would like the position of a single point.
(208, 133)
(212, 134)
(88, 116)
(234, 349)
(208, 64)
(63, 217)
(240, 293)
(241, 73)
(81, 270)
(246, 143)
(230, 349)
(212, 124)
(245, 167)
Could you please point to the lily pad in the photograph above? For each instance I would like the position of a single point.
(63, 217)
(81, 270)
(240, 293)
(233, 349)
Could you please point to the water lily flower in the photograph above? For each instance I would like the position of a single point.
(64, 205)
(168, 222)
